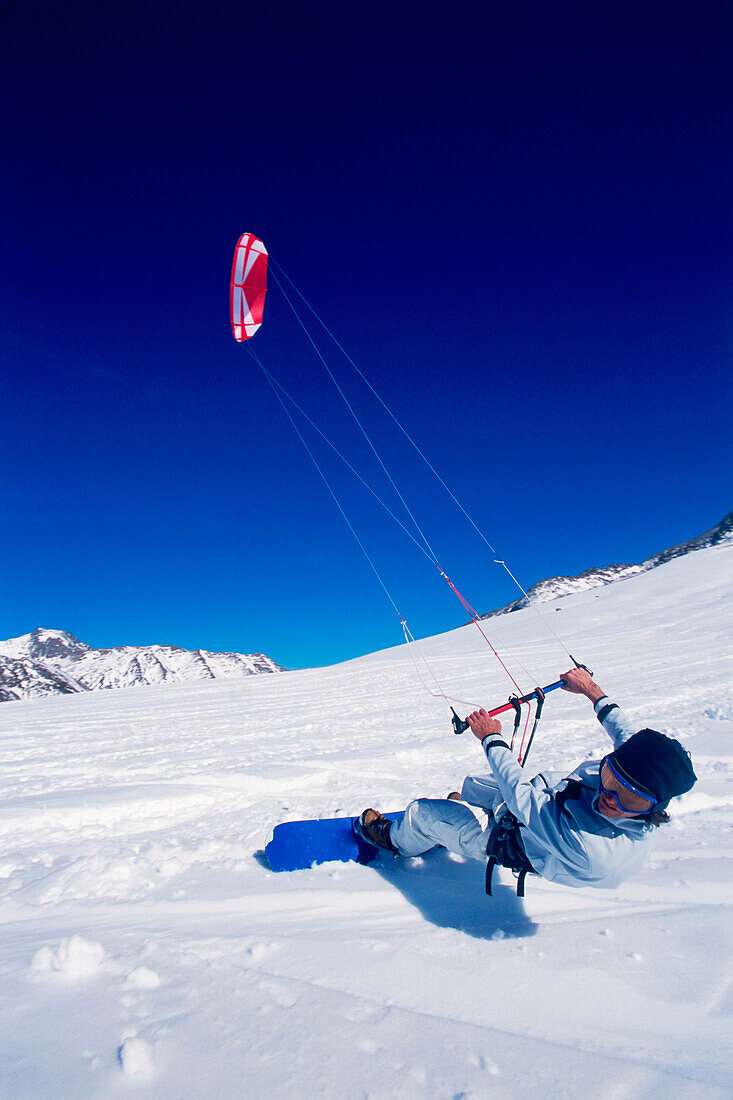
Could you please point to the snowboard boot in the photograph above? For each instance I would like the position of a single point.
(374, 828)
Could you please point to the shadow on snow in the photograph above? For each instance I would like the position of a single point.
(450, 893)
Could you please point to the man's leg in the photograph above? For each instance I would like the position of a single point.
(482, 791)
(431, 822)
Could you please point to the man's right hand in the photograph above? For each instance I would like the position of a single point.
(579, 681)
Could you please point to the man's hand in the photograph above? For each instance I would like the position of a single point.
(580, 682)
(483, 726)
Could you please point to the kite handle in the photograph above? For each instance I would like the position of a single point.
(460, 725)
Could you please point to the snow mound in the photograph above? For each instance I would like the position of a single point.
(74, 958)
(143, 978)
(136, 1057)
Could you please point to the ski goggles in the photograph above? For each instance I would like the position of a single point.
(627, 803)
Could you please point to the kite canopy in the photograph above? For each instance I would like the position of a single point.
(248, 286)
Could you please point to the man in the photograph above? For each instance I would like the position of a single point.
(588, 829)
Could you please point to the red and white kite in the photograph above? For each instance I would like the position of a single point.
(249, 283)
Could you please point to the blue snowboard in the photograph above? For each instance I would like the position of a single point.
(297, 845)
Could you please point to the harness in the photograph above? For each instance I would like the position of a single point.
(573, 790)
(505, 847)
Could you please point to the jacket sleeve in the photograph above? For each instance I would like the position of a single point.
(614, 721)
(533, 807)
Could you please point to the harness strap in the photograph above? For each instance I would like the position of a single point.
(516, 703)
(540, 695)
(490, 865)
(506, 849)
(573, 790)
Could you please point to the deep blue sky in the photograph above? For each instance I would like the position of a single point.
(518, 224)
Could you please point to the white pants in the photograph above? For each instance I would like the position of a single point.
(428, 822)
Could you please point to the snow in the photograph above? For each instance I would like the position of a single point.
(74, 958)
(136, 1057)
(146, 946)
(552, 588)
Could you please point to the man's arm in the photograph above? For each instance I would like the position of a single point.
(579, 682)
(531, 805)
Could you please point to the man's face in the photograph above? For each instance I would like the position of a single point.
(618, 800)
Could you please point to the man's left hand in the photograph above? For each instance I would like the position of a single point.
(483, 726)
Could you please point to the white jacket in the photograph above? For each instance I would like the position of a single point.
(574, 845)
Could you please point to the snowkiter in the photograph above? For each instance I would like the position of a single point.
(589, 828)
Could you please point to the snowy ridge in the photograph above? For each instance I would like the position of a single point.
(53, 661)
(552, 588)
(147, 949)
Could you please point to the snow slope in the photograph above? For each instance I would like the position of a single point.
(146, 949)
(552, 588)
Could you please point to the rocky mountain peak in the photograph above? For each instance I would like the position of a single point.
(43, 644)
(46, 644)
(52, 661)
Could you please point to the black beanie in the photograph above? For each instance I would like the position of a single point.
(656, 763)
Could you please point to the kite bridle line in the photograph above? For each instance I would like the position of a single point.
(497, 559)
(516, 700)
(281, 393)
(358, 422)
(430, 553)
(409, 638)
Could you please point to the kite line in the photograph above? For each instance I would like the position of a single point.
(247, 296)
